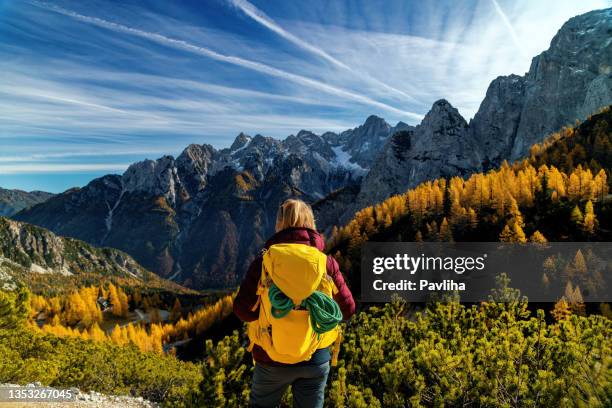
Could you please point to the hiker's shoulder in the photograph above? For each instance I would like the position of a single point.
(332, 265)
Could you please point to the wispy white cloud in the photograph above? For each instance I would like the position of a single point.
(259, 16)
(33, 168)
(152, 104)
(177, 85)
(508, 25)
(242, 62)
(429, 68)
(453, 58)
(38, 93)
(41, 157)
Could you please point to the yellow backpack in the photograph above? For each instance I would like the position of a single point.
(298, 270)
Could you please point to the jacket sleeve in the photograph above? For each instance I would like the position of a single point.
(344, 297)
(247, 294)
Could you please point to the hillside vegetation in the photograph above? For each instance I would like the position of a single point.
(494, 355)
(27, 355)
(79, 315)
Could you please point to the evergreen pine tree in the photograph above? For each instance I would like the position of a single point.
(14, 308)
(447, 200)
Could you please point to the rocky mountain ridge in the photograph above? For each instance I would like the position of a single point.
(439, 145)
(200, 216)
(340, 157)
(565, 84)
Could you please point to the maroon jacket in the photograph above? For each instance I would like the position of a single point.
(247, 295)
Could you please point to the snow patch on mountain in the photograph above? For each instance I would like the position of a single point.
(343, 159)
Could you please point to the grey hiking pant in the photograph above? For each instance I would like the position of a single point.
(307, 384)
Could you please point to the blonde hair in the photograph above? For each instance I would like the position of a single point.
(294, 213)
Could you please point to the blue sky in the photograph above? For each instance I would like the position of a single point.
(86, 88)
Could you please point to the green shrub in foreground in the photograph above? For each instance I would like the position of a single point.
(492, 355)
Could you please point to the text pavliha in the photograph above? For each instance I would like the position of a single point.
(421, 285)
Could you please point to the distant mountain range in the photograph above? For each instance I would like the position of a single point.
(13, 201)
(200, 218)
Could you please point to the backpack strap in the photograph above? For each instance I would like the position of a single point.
(336, 349)
(313, 243)
(262, 284)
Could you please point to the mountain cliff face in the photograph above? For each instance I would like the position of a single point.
(440, 146)
(13, 201)
(568, 82)
(199, 218)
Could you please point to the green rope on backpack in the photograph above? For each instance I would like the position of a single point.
(281, 304)
(324, 312)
